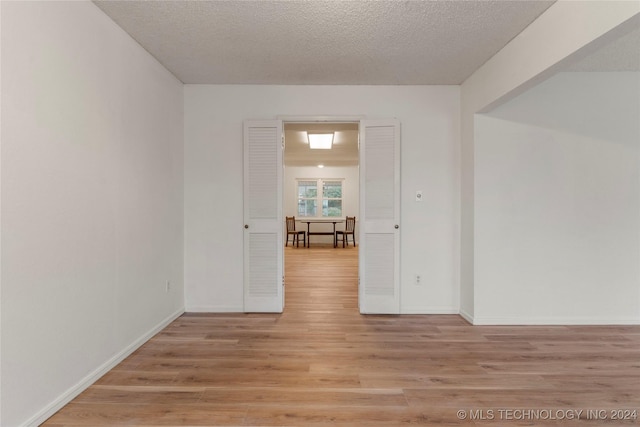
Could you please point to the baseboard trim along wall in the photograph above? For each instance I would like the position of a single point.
(214, 309)
(551, 321)
(429, 310)
(466, 316)
(547, 321)
(87, 381)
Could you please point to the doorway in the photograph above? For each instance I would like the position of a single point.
(321, 187)
(378, 223)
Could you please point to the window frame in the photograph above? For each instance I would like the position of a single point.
(320, 197)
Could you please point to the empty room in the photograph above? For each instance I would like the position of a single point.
(464, 248)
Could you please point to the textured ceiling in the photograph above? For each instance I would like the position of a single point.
(323, 42)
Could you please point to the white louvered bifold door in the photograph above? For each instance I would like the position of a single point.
(263, 222)
(380, 216)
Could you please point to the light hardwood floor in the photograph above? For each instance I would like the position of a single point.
(320, 363)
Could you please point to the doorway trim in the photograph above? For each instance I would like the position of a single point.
(320, 119)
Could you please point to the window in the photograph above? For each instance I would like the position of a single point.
(329, 198)
(332, 198)
(307, 198)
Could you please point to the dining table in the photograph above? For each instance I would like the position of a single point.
(310, 233)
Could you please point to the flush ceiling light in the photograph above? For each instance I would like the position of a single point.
(320, 141)
(320, 166)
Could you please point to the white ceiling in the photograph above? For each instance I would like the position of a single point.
(323, 42)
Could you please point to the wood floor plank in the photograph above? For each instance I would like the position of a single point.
(138, 377)
(354, 416)
(321, 363)
(141, 395)
(519, 398)
(295, 397)
(166, 414)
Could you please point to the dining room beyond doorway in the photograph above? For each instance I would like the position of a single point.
(321, 189)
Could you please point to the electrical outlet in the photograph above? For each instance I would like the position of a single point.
(418, 280)
(168, 288)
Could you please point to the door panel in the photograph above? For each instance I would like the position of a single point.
(263, 232)
(380, 216)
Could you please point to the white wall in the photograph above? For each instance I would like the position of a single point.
(429, 119)
(350, 191)
(557, 204)
(532, 56)
(91, 201)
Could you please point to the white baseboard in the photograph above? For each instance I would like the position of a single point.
(429, 310)
(560, 321)
(466, 316)
(214, 309)
(83, 384)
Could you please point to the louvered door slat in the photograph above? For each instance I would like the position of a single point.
(379, 183)
(263, 264)
(263, 176)
(379, 266)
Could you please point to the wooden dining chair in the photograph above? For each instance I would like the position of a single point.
(349, 229)
(291, 231)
